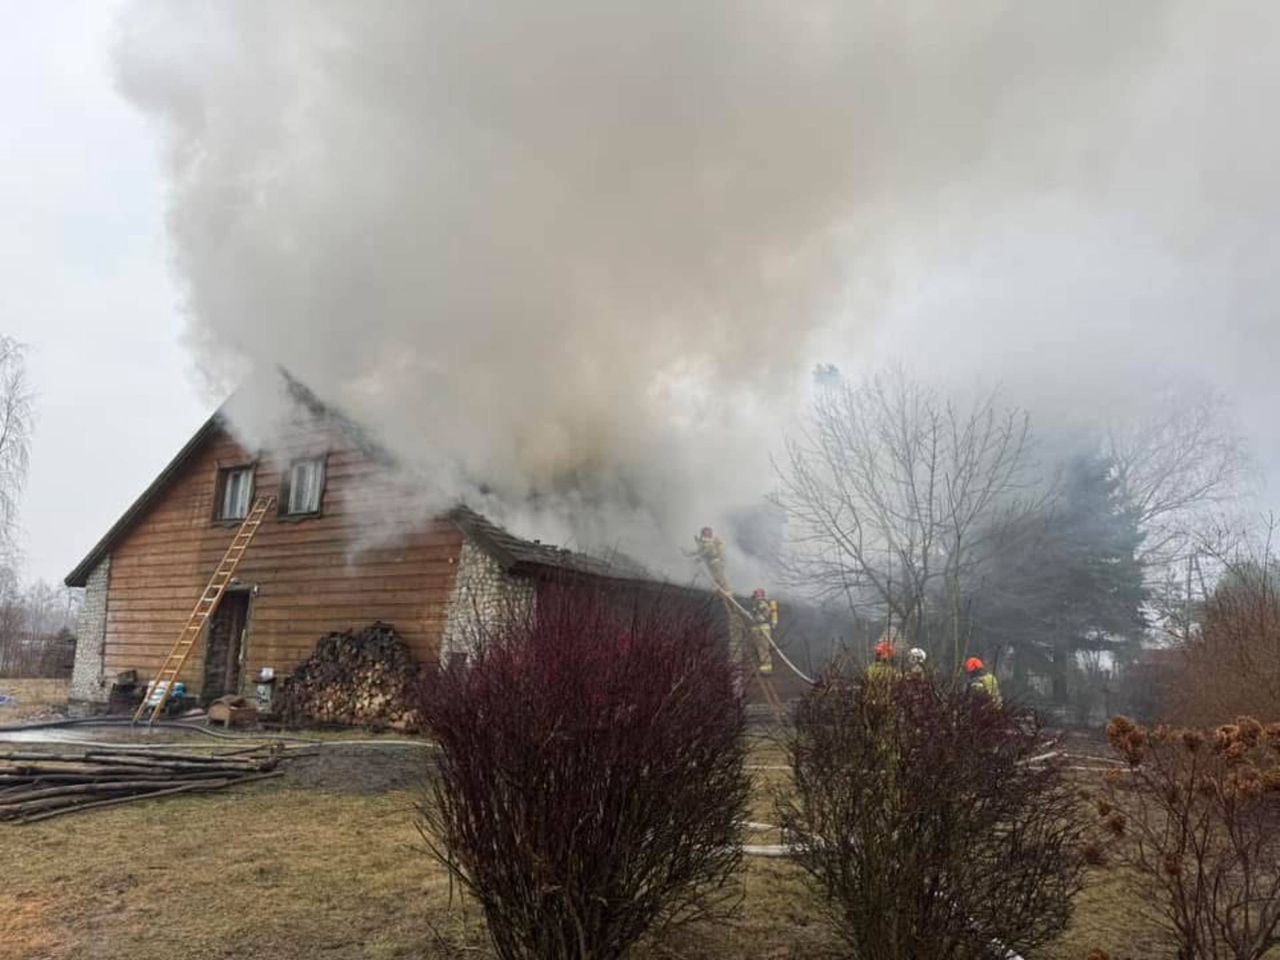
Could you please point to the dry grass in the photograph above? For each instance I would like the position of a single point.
(292, 873)
(286, 870)
(32, 699)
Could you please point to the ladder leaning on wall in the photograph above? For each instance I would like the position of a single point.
(168, 675)
(736, 614)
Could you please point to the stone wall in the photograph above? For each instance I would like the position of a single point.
(484, 595)
(87, 682)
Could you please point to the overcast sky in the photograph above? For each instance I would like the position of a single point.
(83, 280)
(1081, 203)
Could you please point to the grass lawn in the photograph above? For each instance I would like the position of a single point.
(32, 699)
(326, 862)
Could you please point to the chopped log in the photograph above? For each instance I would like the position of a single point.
(366, 679)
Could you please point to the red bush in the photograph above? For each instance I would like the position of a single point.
(590, 785)
(925, 822)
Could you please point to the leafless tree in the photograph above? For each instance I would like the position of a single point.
(1176, 467)
(1230, 660)
(15, 438)
(37, 625)
(1182, 470)
(894, 496)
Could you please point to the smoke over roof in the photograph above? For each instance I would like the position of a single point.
(577, 260)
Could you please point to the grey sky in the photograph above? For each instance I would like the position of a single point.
(1079, 201)
(84, 280)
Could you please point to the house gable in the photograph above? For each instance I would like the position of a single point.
(370, 553)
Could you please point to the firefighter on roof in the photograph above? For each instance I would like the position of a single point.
(710, 550)
(764, 617)
(981, 681)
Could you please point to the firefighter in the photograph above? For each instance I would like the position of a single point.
(764, 617)
(710, 550)
(884, 666)
(981, 681)
(915, 663)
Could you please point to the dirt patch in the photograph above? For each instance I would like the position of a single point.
(363, 769)
(1086, 743)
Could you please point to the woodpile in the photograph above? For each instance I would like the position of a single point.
(367, 679)
(36, 785)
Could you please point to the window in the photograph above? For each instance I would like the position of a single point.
(235, 490)
(303, 486)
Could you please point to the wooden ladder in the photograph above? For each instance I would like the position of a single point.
(771, 698)
(204, 609)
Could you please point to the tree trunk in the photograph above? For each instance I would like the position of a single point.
(1061, 659)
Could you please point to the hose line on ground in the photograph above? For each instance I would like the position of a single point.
(198, 728)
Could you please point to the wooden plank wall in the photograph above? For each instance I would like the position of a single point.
(374, 553)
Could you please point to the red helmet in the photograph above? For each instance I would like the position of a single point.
(759, 593)
(973, 664)
(885, 651)
(708, 532)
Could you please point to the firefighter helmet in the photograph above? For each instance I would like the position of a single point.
(884, 650)
(973, 665)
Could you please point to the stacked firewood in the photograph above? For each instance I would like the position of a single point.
(38, 784)
(367, 678)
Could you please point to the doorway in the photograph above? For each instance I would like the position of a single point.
(224, 645)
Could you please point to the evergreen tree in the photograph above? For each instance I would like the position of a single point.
(1068, 579)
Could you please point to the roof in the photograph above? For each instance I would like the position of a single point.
(516, 555)
(303, 396)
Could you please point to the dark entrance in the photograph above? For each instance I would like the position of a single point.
(223, 646)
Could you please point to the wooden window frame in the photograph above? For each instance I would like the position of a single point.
(219, 489)
(286, 475)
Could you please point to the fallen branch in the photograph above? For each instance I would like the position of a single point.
(186, 788)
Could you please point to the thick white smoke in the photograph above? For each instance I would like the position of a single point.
(573, 258)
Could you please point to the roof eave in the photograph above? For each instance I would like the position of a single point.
(79, 576)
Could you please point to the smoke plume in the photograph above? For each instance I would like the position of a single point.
(575, 260)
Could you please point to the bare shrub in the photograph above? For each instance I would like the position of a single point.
(1197, 816)
(48, 656)
(923, 826)
(590, 784)
(1232, 665)
(37, 624)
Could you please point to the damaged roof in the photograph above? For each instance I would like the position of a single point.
(517, 555)
(514, 554)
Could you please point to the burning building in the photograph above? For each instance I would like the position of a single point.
(346, 542)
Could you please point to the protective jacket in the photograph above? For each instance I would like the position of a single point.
(987, 685)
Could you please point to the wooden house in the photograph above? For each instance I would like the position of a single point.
(318, 563)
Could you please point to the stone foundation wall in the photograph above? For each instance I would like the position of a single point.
(484, 595)
(87, 682)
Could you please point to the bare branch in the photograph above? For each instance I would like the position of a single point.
(15, 439)
(892, 494)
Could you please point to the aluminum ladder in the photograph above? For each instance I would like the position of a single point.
(164, 680)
